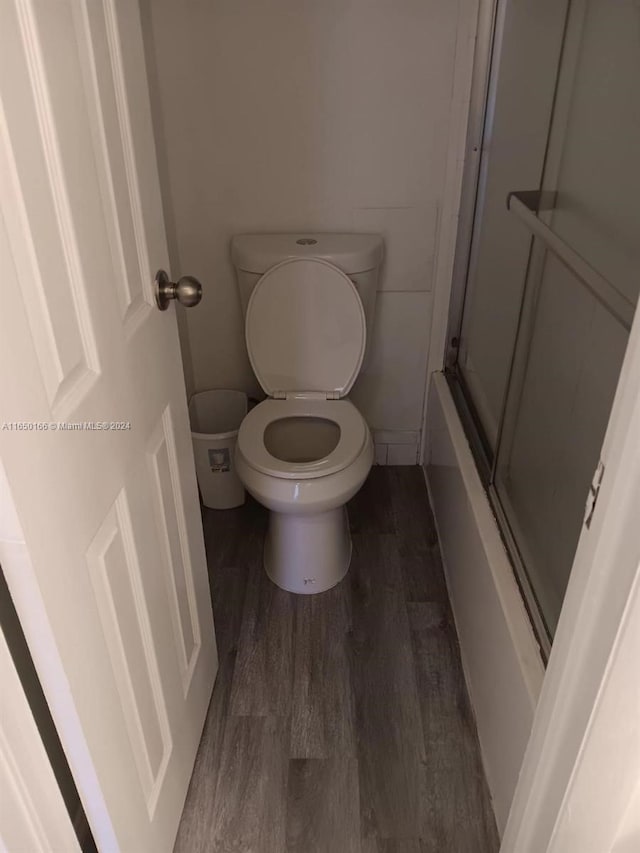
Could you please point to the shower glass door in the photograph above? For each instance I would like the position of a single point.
(518, 112)
(552, 392)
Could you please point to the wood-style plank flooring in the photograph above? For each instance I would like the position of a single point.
(340, 722)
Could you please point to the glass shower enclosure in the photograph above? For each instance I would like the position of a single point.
(552, 275)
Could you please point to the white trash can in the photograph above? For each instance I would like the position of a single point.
(215, 420)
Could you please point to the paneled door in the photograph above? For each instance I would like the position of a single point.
(103, 550)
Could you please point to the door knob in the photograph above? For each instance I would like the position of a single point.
(187, 290)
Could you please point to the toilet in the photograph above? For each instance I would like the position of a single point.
(306, 450)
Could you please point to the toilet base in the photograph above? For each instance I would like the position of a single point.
(308, 553)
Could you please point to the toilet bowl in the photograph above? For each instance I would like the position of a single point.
(305, 451)
(303, 460)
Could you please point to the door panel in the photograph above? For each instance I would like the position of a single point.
(101, 57)
(174, 538)
(110, 517)
(52, 283)
(116, 575)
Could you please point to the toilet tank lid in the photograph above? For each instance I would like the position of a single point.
(352, 253)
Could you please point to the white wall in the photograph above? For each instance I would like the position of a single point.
(300, 115)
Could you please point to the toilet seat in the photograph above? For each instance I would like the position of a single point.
(353, 436)
(305, 330)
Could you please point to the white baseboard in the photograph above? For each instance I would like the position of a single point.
(396, 447)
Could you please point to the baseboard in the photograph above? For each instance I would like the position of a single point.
(396, 447)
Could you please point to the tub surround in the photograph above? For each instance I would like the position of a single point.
(502, 665)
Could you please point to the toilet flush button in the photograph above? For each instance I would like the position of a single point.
(306, 241)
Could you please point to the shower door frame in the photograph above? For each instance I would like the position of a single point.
(557, 791)
(491, 23)
(590, 630)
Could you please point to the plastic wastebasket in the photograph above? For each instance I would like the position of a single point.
(215, 420)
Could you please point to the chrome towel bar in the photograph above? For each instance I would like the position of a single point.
(524, 204)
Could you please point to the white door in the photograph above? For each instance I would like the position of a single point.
(112, 586)
(33, 816)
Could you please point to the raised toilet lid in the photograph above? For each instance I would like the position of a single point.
(305, 329)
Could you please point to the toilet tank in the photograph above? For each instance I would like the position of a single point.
(358, 255)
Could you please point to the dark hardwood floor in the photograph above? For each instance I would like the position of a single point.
(340, 722)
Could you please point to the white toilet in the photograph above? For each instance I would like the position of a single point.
(305, 451)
